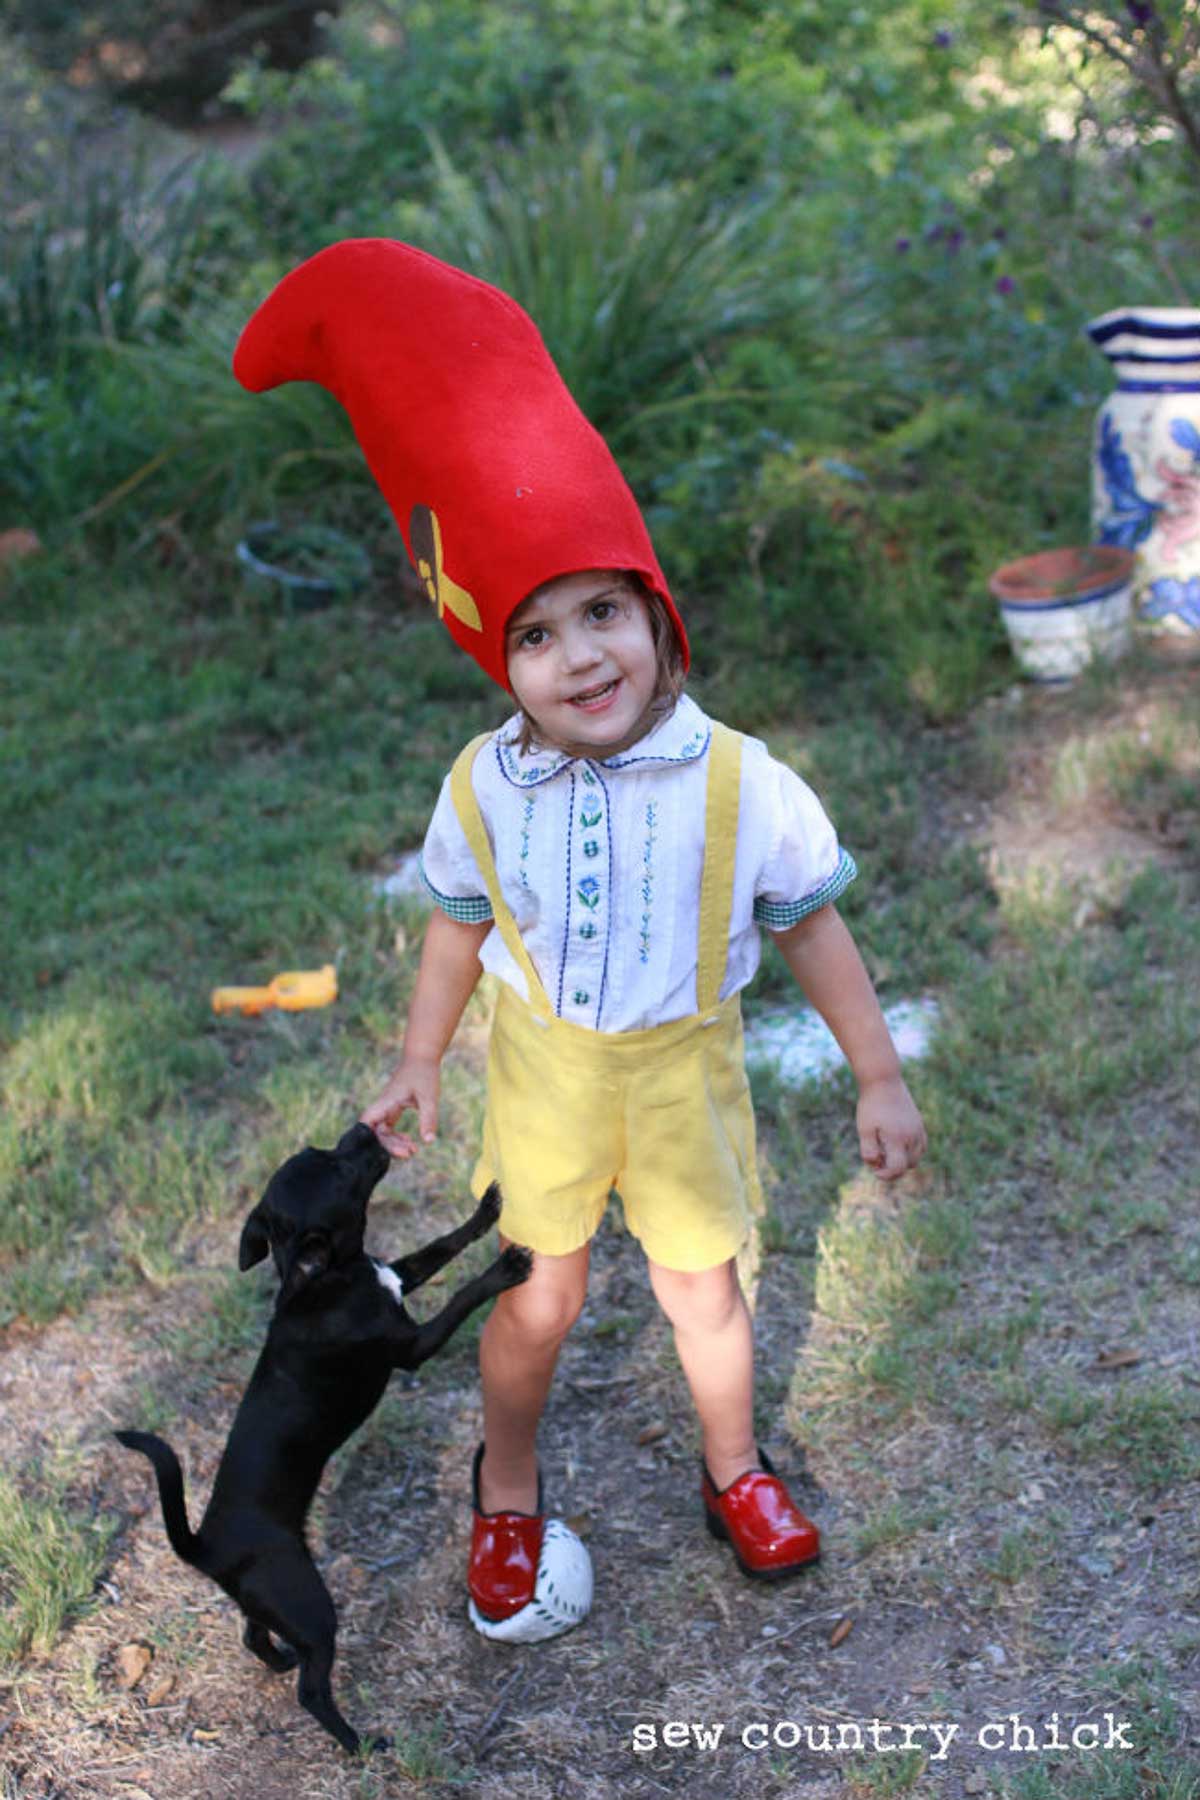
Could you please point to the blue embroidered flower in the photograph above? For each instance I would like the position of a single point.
(526, 822)
(590, 814)
(1170, 595)
(589, 892)
(1130, 517)
(647, 882)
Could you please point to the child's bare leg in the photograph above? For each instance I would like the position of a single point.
(518, 1349)
(715, 1340)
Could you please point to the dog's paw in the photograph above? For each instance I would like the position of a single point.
(488, 1210)
(516, 1264)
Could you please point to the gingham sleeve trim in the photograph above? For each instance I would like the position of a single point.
(777, 915)
(469, 909)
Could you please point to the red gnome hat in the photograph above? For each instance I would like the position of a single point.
(495, 478)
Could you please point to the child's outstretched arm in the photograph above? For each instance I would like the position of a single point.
(824, 959)
(446, 979)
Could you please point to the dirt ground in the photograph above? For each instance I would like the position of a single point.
(677, 1635)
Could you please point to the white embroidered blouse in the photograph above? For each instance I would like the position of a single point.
(600, 863)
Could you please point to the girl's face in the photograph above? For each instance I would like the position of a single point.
(582, 662)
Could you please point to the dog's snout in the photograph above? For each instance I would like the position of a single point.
(361, 1144)
(358, 1141)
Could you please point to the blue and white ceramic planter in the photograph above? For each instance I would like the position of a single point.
(1146, 460)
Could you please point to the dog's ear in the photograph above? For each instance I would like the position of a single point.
(255, 1242)
(311, 1258)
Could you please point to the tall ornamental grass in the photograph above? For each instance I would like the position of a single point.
(114, 251)
(634, 280)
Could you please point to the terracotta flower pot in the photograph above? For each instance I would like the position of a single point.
(1063, 607)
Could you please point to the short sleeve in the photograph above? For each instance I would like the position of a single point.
(448, 868)
(804, 866)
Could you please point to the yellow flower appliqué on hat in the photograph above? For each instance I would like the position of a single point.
(425, 537)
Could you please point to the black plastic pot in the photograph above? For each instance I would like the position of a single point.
(307, 566)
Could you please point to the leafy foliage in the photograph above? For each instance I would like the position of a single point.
(169, 56)
(819, 274)
(1153, 44)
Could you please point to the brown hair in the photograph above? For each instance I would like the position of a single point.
(669, 672)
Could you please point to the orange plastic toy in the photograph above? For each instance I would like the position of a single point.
(293, 991)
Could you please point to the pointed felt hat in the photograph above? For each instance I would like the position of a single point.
(497, 481)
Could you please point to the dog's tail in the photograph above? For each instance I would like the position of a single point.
(183, 1539)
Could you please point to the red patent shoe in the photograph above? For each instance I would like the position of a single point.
(505, 1547)
(757, 1516)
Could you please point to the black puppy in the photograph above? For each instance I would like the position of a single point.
(338, 1330)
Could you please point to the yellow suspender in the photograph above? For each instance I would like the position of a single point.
(470, 818)
(720, 849)
(716, 887)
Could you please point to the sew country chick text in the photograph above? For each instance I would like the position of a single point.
(936, 1737)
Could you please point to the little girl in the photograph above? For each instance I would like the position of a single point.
(609, 854)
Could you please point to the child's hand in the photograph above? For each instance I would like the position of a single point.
(414, 1085)
(890, 1133)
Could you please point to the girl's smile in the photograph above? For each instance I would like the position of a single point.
(596, 699)
(583, 664)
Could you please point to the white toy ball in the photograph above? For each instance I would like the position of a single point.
(562, 1593)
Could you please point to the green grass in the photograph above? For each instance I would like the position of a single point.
(896, 1523)
(1158, 1769)
(198, 799)
(1150, 1427)
(229, 1322)
(877, 1778)
(50, 1557)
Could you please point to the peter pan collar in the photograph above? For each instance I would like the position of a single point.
(680, 738)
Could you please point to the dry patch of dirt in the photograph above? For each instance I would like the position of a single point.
(1057, 820)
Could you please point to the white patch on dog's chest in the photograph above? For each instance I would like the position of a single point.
(389, 1279)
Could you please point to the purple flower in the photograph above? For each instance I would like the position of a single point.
(901, 245)
(1140, 11)
(1005, 284)
(955, 240)
(999, 235)
(943, 39)
(1147, 221)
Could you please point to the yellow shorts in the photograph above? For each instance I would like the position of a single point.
(662, 1115)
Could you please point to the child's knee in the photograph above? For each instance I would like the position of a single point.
(700, 1300)
(544, 1308)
